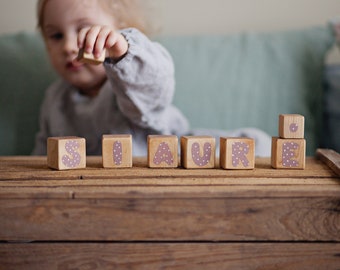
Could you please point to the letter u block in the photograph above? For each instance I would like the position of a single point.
(198, 152)
(237, 153)
(291, 126)
(288, 153)
(162, 151)
(66, 153)
(117, 151)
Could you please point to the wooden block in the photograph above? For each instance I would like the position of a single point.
(88, 58)
(162, 151)
(288, 153)
(198, 152)
(117, 151)
(66, 153)
(291, 126)
(237, 153)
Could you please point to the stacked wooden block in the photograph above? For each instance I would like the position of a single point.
(289, 149)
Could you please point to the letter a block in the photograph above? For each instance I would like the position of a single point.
(117, 151)
(198, 152)
(162, 151)
(288, 153)
(66, 153)
(291, 126)
(237, 153)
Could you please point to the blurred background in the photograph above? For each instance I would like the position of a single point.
(173, 18)
(177, 17)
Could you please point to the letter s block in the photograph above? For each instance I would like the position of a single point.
(237, 153)
(288, 153)
(66, 153)
(162, 151)
(117, 151)
(198, 152)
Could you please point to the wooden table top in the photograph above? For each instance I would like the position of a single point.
(29, 177)
(142, 218)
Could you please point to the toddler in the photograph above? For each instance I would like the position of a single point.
(131, 93)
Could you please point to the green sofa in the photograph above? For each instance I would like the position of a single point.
(223, 82)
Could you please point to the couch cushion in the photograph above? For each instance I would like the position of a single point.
(331, 127)
(247, 80)
(24, 76)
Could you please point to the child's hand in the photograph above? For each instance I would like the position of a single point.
(96, 39)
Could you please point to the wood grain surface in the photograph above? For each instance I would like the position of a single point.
(205, 256)
(142, 218)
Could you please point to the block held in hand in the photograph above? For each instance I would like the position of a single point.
(89, 58)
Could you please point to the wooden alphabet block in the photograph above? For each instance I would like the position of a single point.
(198, 152)
(162, 151)
(291, 126)
(89, 58)
(117, 151)
(237, 153)
(288, 153)
(66, 153)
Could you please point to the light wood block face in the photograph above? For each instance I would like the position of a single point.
(288, 153)
(291, 126)
(237, 153)
(89, 58)
(162, 151)
(198, 152)
(66, 153)
(117, 151)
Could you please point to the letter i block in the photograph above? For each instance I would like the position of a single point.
(66, 153)
(198, 152)
(291, 126)
(237, 153)
(117, 151)
(288, 153)
(162, 151)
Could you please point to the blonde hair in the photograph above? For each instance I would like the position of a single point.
(127, 13)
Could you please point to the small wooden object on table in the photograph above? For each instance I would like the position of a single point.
(66, 153)
(237, 153)
(198, 152)
(117, 151)
(162, 151)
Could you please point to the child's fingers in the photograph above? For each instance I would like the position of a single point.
(82, 36)
(95, 39)
(111, 39)
(91, 39)
(117, 44)
(101, 41)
